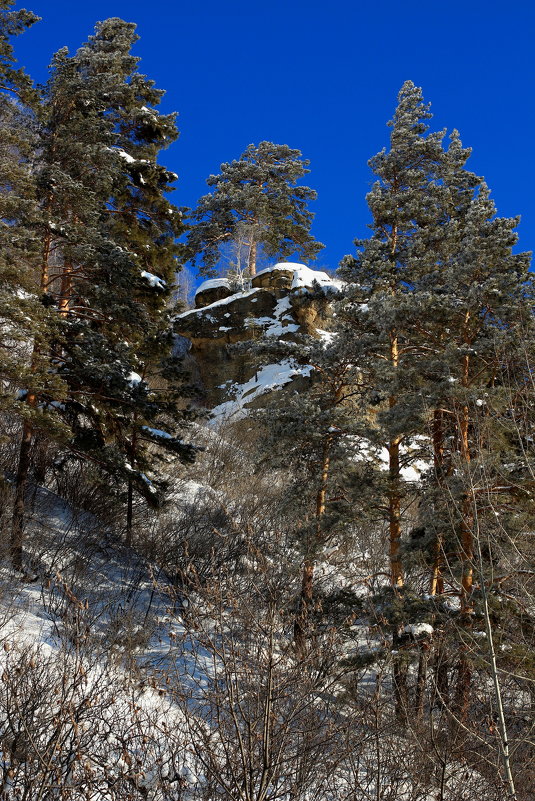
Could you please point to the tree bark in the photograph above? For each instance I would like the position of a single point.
(437, 582)
(252, 259)
(464, 668)
(463, 687)
(399, 680)
(394, 494)
(19, 506)
(321, 496)
(305, 604)
(65, 295)
(442, 688)
(399, 668)
(129, 515)
(23, 468)
(466, 535)
(307, 581)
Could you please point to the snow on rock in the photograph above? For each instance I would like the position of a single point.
(212, 283)
(223, 302)
(153, 280)
(281, 322)
(268, 378)
(269, 311)
(301, 276)
(211, 291)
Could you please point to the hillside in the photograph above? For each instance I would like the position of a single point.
(275, 544)
(167, 670)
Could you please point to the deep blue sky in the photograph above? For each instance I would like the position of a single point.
(323, 77)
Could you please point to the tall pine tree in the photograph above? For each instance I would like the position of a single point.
(256, 202)
(107, 221)
(442, 307)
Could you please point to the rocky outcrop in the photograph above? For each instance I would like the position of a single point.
(276, 278)
(211, 291)
(285, 302)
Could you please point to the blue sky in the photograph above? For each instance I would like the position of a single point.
(323, 77)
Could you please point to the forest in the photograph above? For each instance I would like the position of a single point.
(267, 530)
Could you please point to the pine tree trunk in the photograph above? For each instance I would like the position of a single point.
(394, 500)
(65, 295)
(464, 668)
(129, 514)
(394, 514)
(399, 667)
(466, 536)
(19, 506)
(441, 681)
(47, 244)
(307, 581)
(436, 586)
(130, 497)
(23, 468)
(399, 681)
(437, 582)
(467, 555)
(462, 689)
(305, 604)
(321, 496)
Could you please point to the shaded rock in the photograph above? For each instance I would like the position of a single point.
(228, 320)
(211, 291)
(286, 302)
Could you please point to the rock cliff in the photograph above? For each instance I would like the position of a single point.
(284, 302)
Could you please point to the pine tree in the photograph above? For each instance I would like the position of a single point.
(406, 207)
(29, 388)
(442, 308)
(143, 226)
(20, 310)
(110, 308)
(478, 326)
(255, 201)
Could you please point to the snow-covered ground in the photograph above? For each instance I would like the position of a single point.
(111, 689)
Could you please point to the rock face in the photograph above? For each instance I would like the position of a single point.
(212, 290)
(285, 302)
(278, 277)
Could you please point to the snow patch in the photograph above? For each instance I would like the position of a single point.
(222, 302)
(268, 378)
(212, 283)
(417, 629)
(153, 280)
(156, 432)
(303, 276)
